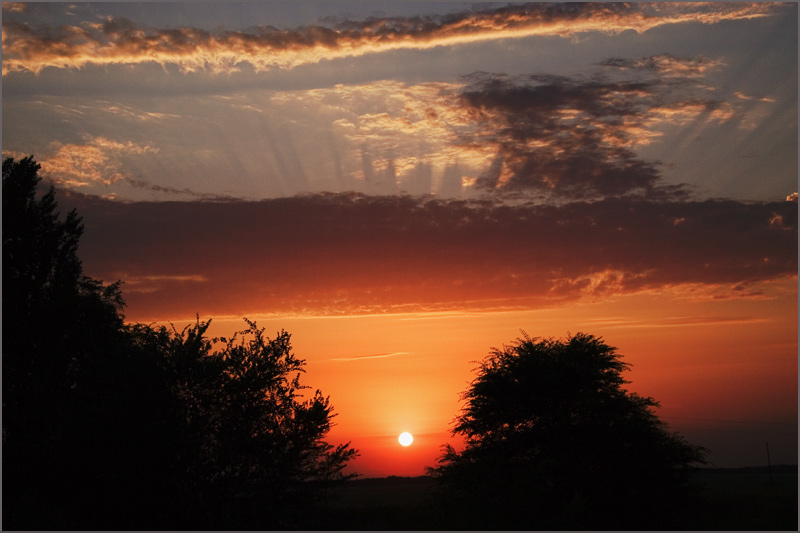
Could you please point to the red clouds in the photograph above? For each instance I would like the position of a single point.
(351, 254)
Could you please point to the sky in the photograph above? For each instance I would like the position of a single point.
(404, 186)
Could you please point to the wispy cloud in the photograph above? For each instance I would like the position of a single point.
(97, 161)
(120, 41)
(371, 356)
(743, 96)
(14, 7)
(398, 133)
(129, 112)
(667, 65)
(154, 283)
(181, 193)
(677, 321)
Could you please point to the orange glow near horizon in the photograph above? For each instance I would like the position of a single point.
(701, 359)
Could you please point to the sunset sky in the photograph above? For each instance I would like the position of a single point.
(405, 185)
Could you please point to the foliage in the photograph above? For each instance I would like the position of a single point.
(110, 426)
(44, 286)
(248, 439)
(553, 440)
(58, 325)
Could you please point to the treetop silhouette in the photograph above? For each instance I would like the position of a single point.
(553, 439)
(109, 425)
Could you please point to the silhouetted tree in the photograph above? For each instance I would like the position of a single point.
(45, 294)
(114, 426)
(553, 440)
(57, 325)
(251, 451)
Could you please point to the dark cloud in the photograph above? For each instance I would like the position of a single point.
(339, 254)
(575, 137)
(154, 187)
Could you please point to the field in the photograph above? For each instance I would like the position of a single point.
(752, 499)
(392, 503)
(744, 499)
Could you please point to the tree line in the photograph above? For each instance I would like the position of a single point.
(111, 425)
(108, 425)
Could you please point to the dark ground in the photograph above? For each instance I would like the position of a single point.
(743, 499)
(751, 499)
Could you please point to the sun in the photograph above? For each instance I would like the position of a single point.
(406, 439)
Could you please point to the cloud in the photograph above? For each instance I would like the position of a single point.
(182, 193)
(97, 161)
(398, 134)
(353, 254)
(575, 137)
(667, 65)
(536, 136)
(120, 41)
(675, 321)
(14, 7)
(15, 154)
(372, 356)
(131, 113)
(153, 283)
(743, 96)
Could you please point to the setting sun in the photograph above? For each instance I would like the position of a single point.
(406, 439)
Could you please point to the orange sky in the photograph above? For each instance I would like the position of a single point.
(718, 363)
(391, 300)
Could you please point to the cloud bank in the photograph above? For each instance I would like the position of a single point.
(117, 41)
(535, 136)
(353, 254)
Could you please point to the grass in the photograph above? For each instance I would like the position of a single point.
(743, 499)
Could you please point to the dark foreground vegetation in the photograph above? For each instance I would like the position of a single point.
(722, 499)
(108, 425)
(115, 426)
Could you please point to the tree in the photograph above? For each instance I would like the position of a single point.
(44, 288)
(250, 451)
(553, 440)
(58, 323)
(108, 425)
